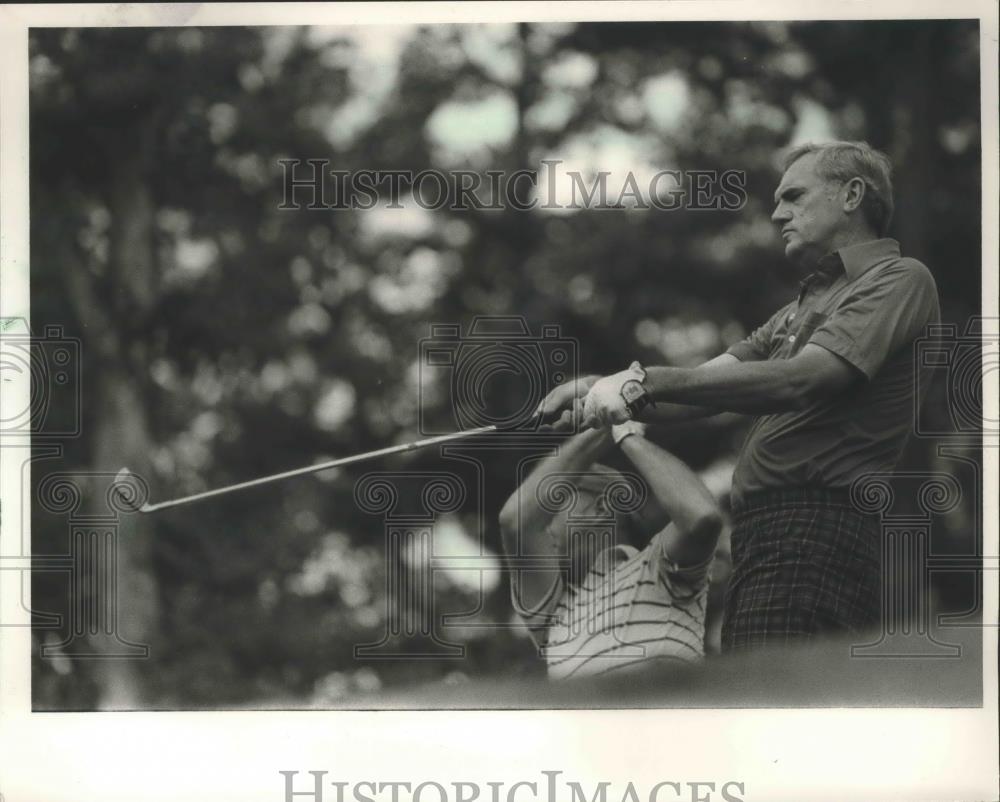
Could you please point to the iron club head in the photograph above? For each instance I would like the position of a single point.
(122, 477)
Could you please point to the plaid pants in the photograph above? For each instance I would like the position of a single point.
(805, 563)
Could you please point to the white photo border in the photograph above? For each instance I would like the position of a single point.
(815, 754)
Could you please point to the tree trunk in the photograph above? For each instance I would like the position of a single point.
(913, 150)
(115, 372)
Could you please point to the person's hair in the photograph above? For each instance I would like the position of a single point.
(598, 476)
(842, 161)
(594, 483)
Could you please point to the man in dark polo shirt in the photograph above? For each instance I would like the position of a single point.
(830, 380)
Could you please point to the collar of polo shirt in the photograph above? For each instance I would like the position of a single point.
(854, 260)
(859, 259)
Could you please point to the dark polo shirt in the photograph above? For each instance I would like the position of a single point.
(866, 304)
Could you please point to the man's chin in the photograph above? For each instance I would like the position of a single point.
(800, 255)
(790, 269)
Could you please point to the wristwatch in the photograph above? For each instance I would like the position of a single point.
(634, 392)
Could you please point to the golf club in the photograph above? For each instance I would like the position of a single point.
(322, 466)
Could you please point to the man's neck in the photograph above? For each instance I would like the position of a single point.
(844, 239)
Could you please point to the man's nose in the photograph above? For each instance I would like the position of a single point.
(780, 214)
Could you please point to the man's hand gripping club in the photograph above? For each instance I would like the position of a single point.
(593, 402)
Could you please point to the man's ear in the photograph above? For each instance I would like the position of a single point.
(855, 193)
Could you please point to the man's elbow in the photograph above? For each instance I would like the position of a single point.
(508, 532)
(506, 520)
(801, 394)
(707, 525)
(508, 517)
(800, 389)
(812, 379)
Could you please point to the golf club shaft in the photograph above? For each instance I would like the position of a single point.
(322, 466)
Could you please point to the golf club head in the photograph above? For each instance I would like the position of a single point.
(129, 489)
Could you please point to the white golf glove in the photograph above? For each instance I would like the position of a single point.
(622, 430)
(605, 404)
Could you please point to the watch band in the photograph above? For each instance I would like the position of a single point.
(634, 392)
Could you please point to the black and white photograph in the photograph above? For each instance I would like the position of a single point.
(500, 372)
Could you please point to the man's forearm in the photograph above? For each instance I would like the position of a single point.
(757, 388)
(666, 413)
(578, 453)
(681, 493)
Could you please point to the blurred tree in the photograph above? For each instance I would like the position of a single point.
(913, 91)
(146, 179)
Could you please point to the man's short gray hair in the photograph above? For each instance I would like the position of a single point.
(842, 161)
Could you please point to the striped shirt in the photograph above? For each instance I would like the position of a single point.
(633, 608)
